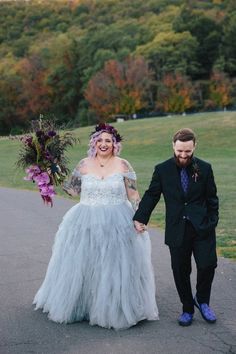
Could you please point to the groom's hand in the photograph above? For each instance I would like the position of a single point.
(139, 226)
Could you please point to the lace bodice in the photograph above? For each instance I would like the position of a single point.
(113, 189)
(107, 191)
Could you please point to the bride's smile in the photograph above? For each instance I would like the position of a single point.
(104, 145)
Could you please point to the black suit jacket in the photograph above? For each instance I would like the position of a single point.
(200, 205)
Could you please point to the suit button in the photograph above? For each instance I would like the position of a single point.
(184, 217)
(185, 203)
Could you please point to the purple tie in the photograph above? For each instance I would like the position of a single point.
(184, 179)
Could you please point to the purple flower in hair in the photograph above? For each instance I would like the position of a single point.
(103, 127)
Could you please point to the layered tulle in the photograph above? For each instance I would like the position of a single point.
(100, 269)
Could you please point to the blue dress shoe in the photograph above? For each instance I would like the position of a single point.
(206, 312)
(185, 319)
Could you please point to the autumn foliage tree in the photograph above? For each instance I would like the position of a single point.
(121, 87)
(10, 85)
(220, 89)
(34, 97)
(175, 94)
(51, 50)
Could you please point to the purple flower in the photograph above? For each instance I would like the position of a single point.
(103, 127)
(32, 172)
(47, 191)
(44, 152)
(39, 133)
(42, 137)
(42, 179)
(51, 133)
(27, 140)
(48, 156)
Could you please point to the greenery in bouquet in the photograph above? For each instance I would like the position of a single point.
(42, 154)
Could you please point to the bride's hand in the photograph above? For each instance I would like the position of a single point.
(139, 226)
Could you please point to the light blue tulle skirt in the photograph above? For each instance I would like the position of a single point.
(100, 270)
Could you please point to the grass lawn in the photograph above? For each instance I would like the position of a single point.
(148, 142)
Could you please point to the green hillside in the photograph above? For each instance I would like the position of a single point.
(147, 142)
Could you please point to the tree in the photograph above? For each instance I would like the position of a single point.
(121, 87)
(59, 56)
(228, 49)
(207, 32)
(65, 84)
(106, 42)
(175, 94)
(34, 96)
(10, 86)
(220, 89)
(171, 52)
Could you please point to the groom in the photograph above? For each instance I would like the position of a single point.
(188, 187)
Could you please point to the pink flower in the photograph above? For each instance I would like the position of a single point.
(47, 191)
(27, 140)
(32, 172)
(42, 179)
(42, 152)
(47, 200)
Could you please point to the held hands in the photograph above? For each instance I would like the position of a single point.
(139, 226)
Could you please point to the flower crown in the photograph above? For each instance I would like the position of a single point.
(103, 127)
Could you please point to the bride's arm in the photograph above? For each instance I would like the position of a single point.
(131, 184)
(73, 185)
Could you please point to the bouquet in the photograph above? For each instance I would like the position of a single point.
(43, 156)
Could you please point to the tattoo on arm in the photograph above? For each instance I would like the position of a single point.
(72, 187)
(135, 203)
(131, 184)
(76, 184)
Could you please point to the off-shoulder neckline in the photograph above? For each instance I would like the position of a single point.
(105, 177)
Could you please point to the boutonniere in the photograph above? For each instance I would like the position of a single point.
(196, 171)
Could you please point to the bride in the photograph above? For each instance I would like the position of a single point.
(100, 269)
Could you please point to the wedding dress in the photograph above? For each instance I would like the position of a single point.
(100, 269)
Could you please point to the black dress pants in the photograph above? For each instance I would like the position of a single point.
(204, 252)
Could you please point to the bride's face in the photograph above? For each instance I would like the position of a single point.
(104, 145)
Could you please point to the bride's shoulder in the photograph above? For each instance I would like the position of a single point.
(125, 165)
(82, 166)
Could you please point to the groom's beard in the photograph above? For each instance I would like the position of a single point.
(183, 162)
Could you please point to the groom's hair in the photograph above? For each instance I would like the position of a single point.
(185, 134)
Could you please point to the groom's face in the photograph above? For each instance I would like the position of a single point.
(183, 151)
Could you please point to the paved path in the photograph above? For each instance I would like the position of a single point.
(27, 229)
